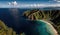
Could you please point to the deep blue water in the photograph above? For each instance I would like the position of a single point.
(10, 20)
(20, 24)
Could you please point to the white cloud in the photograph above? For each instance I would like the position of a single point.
(25, 5)
(12, 3)
(57, 0)
(9, 3)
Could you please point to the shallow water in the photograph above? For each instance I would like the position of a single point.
(15, 20)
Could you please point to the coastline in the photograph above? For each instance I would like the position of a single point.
(50, 24)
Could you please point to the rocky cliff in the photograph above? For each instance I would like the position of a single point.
(4, 30)
(50, 15)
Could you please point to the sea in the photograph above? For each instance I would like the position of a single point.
(13, 18)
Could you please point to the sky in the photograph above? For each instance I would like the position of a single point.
(29, 3)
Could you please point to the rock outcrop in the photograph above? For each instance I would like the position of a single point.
(4, 30)
(50, 15)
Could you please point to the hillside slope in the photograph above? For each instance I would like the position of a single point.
(49, 15)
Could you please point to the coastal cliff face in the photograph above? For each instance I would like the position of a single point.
(4, 30)
(42, 14)
(32, 26)
(49, 15)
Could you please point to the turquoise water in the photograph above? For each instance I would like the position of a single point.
(42, 28)
(39, 28)
(20, 24)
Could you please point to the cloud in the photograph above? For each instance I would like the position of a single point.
(57, 0)
(12, 3)
(9, 3)
(27, 5)
(39, 5)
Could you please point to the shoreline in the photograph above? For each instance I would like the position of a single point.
(50, 24)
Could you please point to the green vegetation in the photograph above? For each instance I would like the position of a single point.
(4, 30)
(50, 15)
